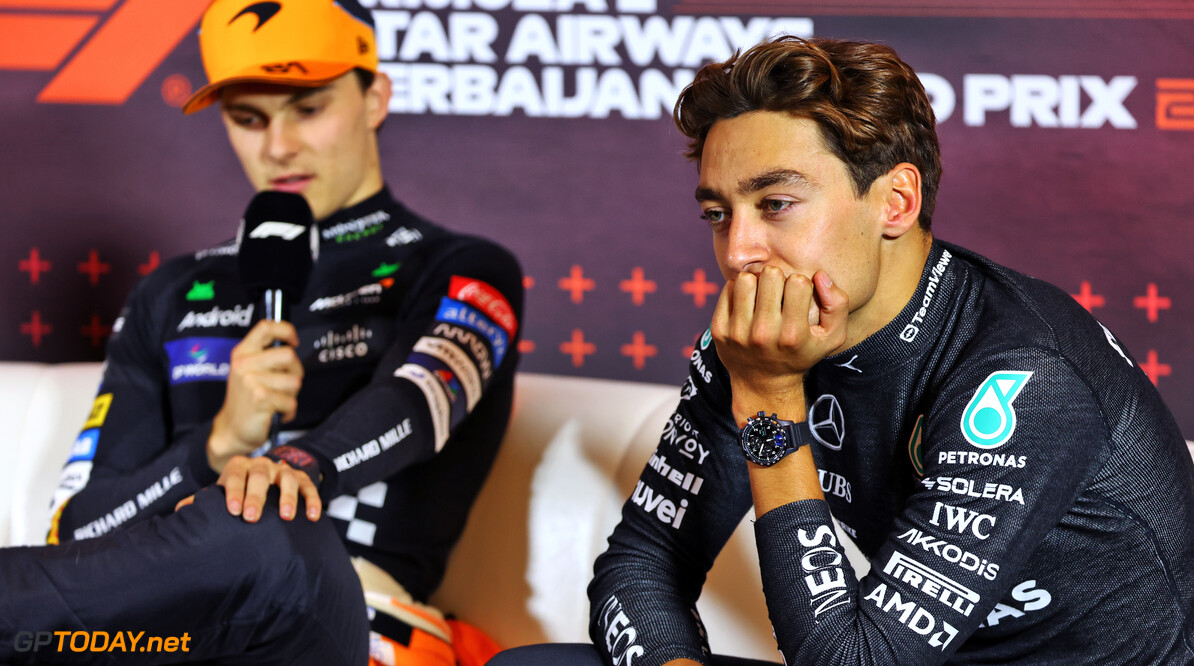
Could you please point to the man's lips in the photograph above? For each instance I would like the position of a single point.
(295, 184)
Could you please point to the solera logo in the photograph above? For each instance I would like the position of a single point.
(112, 61)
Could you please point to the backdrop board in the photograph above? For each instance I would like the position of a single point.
(1067, 135)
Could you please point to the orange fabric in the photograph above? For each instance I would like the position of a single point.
(472, 646)
(424, 650)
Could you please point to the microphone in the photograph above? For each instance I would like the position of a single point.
(278, 245)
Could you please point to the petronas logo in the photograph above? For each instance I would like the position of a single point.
(989, 419)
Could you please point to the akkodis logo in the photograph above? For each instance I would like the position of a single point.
(989, 420)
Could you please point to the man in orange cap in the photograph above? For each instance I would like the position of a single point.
(404, 345)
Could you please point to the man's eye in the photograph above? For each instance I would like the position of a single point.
(776, 205)
(247, 120)
(309, 109)
(714, 216)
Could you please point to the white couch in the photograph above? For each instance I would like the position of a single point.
(573, 452)
(572, 455)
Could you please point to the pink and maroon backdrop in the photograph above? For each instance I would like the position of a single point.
(1067, 130)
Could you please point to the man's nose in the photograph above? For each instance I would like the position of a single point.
(746, 247)
(281, 141)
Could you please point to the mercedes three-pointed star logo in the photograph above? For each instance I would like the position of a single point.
(827, 422)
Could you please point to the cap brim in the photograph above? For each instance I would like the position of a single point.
(311, 75)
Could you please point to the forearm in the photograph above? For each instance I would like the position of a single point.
(112, 497)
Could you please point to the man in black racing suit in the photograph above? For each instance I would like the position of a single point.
(1019, 488)
(404, 347)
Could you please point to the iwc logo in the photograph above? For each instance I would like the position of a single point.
(827, 422)
(989, 420)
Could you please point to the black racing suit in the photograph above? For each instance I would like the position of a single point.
(408, 338)
(1022, 494)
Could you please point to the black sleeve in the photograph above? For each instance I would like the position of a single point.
(688, 501)
(123, 467)
(457, 344)
(963, 536)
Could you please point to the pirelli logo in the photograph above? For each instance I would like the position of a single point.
(101, 50)
(939, 586)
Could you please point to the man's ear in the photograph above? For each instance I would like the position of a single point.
(901, 205)
(377, 100)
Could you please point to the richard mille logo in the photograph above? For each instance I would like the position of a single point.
(264, 11)
(827, 422)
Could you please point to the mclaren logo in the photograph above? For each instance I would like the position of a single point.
(827, 422)
(264, 11)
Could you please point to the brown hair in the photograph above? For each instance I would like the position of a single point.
(871, 107)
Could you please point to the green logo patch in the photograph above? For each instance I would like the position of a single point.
(989, 420)
(386, 270)
(202, 291)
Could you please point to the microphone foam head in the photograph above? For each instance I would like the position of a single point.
(279, 244)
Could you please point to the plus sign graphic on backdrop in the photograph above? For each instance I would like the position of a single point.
(637, 286)
(34, 265)
(1151, 303)
(639, 350)
(577, 284)
(93, 268)
(698, 288)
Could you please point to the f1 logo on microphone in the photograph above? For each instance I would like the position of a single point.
(283, 230)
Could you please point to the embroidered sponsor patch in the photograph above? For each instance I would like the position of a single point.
(989, 420)
(487, 299)
(200, 359)
(437, 399)
(99, 411)
(454, 312)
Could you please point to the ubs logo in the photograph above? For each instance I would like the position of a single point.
(827, 422)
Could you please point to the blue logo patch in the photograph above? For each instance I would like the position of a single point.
(84, 446)
(989, 420)
(455, 312)
(200, 359)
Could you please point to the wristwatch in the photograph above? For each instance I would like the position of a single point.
(767, 439)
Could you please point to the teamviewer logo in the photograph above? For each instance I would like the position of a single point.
(112, 53)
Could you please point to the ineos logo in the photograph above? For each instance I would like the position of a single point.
(827, 422)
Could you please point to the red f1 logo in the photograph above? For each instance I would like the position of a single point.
(113, 60)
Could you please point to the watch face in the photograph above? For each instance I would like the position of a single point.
(765, 441)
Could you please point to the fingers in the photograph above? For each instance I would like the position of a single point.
(310, 495)
(288, 497)
(265, 332)
(294, 483)
(743, 312)
(798, 295)
(233, 479)
(261, 476)
(720, 325)
(769, 296)
(834, 308)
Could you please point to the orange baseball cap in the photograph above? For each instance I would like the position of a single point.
(292, 42)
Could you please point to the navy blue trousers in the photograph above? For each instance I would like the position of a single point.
(273, 592)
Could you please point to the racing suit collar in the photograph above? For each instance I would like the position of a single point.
(917, 326)
(381, 200)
